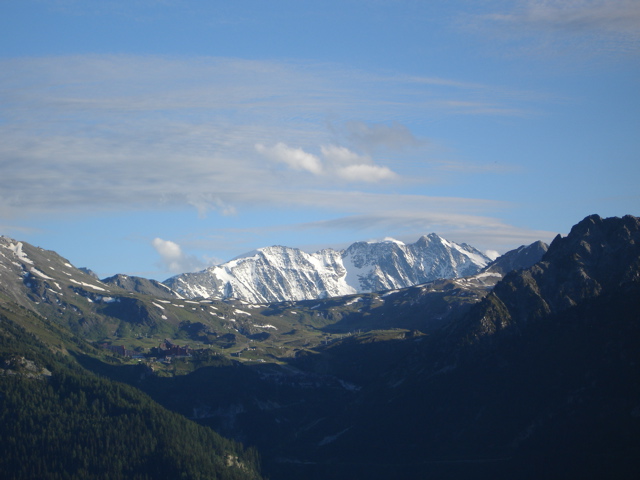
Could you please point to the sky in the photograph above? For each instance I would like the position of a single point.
(155, 137)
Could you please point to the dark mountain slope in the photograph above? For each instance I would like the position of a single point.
(521, 257)
(541, 379)
(559, 399)
(598, 257)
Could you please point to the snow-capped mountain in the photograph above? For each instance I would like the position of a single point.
(39, 279)
(275, 274)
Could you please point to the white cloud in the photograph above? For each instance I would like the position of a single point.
(493, 254)
(353, 167)
(341, 156)
(295, 158)
(173, 258)
(339, 162)
(365, 173)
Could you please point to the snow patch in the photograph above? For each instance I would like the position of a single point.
(390, 292)
(487, 274)
(17, 250)
(355, 300)
(84, 284)
(37, 272)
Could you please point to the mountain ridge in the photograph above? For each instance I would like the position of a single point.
(279, 273)
(598, 255)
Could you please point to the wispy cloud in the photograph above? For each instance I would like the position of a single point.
(126, 133)
(371, 136)
(554, 27)
(457, 219)
(482, 231)
(618, 17)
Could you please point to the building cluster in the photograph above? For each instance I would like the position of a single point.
(168, 349)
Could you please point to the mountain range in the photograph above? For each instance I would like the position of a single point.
(526, 367)
(277, 274)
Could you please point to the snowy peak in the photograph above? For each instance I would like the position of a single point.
(385, 266)
(270, 274)
(277, 273)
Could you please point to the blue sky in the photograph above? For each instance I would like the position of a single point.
(155, 137)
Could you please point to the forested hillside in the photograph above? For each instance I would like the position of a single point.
(59, 421)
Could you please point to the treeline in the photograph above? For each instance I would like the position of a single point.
(75, 425)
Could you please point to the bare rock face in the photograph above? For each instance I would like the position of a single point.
(140, 285)
(21, 366)
(598, 257)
